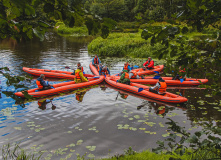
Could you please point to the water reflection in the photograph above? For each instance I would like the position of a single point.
(42, 104)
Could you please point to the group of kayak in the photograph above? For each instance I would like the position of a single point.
(129, 80)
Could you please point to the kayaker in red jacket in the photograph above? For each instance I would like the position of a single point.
(149, 64)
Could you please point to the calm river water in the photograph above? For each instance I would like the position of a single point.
(102, 122)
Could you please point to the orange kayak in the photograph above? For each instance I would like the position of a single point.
(94, 69)
(140, 71)
(134, 88)
(62, 87)
(169, 81)
(52, 73)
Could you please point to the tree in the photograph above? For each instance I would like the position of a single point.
(23, 19)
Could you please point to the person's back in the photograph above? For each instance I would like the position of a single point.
(42, 85)
(79, 76)
(125, 78)
(159, 88)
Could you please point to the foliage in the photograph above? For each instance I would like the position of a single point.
(16, 82)
(16, 153)
(123, 44)
(197, 145)
(24, 19)
(62, 29)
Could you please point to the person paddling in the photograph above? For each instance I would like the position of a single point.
(78, 65)
(160, 87)
(126, 67)
(79, 76)
(149, 64)
(96, 61)
(103, 70)
(125, 78)
(43, 85)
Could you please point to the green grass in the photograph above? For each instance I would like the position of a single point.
(76, 31)
(123, 44)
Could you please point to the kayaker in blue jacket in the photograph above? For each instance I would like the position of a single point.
(42, 85)
(96, 61)
(103, 70)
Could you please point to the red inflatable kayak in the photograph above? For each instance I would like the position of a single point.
(140, 71)
(93, 69)
(62, 87)
(134, 87)
(52, 73)
(169, 81)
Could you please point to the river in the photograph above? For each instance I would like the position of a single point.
(101, 123)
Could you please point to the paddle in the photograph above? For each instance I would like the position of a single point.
(141, 89)
(117, 95)
(156, 77)
(181, 80)
(156, 72)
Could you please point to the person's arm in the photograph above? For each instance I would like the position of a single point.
(100, 71)
(156, 86)
(99, 60)
(108, 71)
(129, 68)
(151, 65)
(145, 63)
(82, 77)
(93, 61)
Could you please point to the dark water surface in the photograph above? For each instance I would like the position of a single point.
(102, 122)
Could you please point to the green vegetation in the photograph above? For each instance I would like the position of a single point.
(123, 44)
(76, 31)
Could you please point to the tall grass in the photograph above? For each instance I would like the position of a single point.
(77, 31)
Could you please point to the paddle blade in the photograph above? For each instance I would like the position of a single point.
(135, 66)
(140, 89)
(156, 77)
(156, 72)
(83, 72)
(181, 80)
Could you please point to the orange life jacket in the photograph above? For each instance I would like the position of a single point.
(104, 71)
(126, 67)
(39, 84)
(162, 111)
(126, 76)
(96, 61)
(78, 97)
(163, 87)
(134, 74)
(78, 75)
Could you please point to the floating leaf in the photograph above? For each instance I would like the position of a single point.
(142, 129)
(137, 116)
(91, 155)
(17, 128)
(166, 135)
(79, 142)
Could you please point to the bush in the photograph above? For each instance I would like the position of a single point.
(123, 44)
(62, 29)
